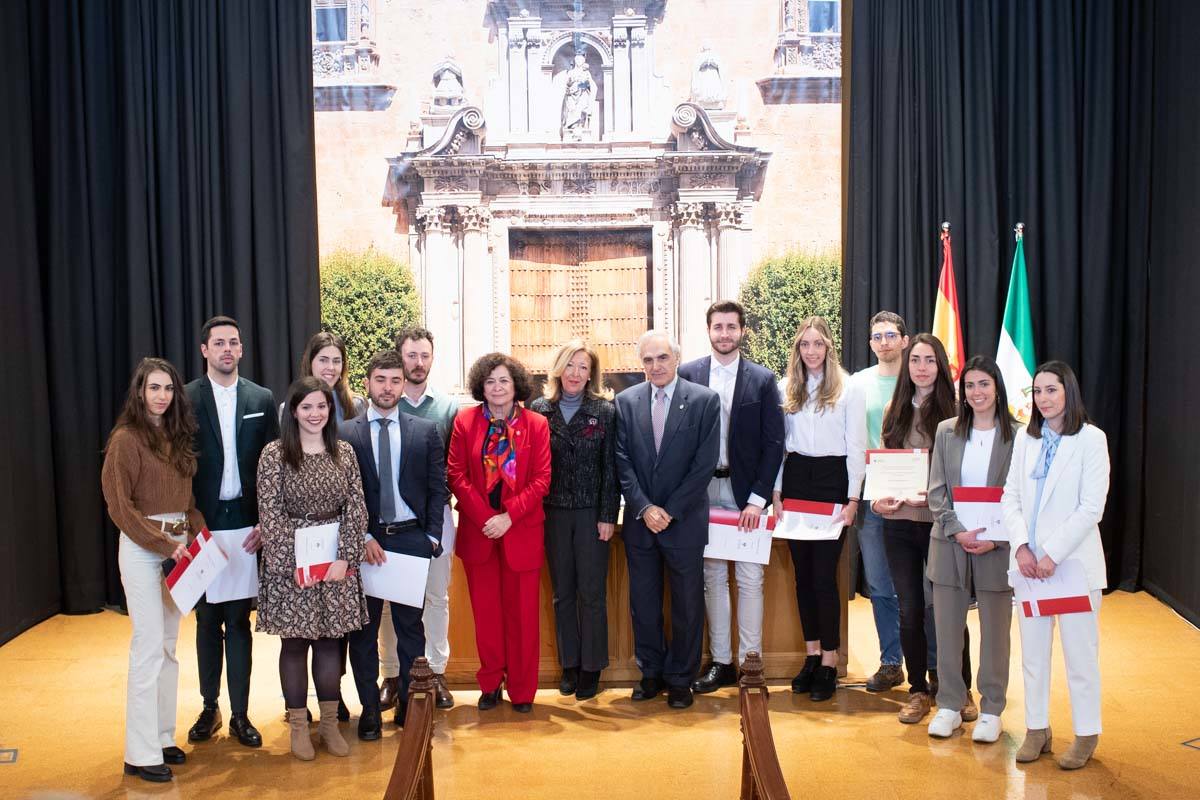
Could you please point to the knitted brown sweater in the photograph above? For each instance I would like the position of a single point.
(137, 483)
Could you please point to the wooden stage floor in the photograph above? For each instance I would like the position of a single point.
(62, 701)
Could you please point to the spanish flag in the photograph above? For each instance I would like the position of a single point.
(947, 324)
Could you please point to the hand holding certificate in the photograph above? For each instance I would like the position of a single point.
(190, 578)
(978, 508)
(239, 580)
(1064, 592)
(898, 474)
(316, 550)
(726, 542)
(399, 579)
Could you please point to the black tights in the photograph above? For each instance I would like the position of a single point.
(293, 670)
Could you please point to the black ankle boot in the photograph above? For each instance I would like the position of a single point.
(802, 683)
(824, 682)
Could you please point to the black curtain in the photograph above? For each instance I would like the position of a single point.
(987, 113)
(158, 169)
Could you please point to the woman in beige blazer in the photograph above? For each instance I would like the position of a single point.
(1053, 501)
(970, 450)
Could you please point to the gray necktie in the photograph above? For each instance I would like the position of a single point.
(387, 499)
(658, 417)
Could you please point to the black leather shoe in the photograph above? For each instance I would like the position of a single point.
(824, 683)
(713, 678)
(570, 679)
(241, 727)
(158, 773)
(173, 755)
(488, 700)
(389, 690)
(370, 727)
(522, 708)
(208, 723)
(648, 689)
(343, 712)
(679, 697)
(399, 715)
(802, 683)
(444, 698)
(588, 685)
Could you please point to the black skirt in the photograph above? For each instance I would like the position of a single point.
(821, 479)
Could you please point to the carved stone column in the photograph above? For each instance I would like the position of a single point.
(639, 61)
(478, 292)
(442, 294)
(730, 267)
(695, 278)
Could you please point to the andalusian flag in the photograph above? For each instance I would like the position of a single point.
(1015, 353)
(947, 326)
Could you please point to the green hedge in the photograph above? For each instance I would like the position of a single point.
(366, 297)
(783, 290)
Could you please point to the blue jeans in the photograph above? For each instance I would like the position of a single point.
(884, 604)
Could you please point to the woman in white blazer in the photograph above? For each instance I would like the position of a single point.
(1053, 501)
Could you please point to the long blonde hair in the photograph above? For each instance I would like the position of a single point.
(796, 394)
(595, 386)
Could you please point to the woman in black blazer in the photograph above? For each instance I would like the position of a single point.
(581, 511)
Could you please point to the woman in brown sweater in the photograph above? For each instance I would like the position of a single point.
(147, 482)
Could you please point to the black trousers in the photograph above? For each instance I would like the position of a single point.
(578, 563)
(679, 662)
(820, 479)
(410, 631)
(907, 546)
(223, 635)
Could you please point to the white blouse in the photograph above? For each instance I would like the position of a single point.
(837, 431)
(976, 456)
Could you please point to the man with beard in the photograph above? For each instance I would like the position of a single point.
(415, 346)
(235, 419)
(751, 451)
(889, 337)
(403, 467)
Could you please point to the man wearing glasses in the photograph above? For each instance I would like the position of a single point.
(889, 337)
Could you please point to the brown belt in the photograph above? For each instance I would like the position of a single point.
(311, 517)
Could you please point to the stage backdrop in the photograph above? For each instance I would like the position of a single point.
(156, 169)
(991, 113)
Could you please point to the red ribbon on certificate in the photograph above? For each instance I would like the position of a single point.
(725, 516)
(977, 494)
(194, 550)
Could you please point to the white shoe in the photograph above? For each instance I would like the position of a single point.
(987, 729)
(944, 723)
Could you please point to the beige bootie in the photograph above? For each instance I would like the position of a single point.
(1079, 752)
(302, 746)
(328, 729)
(1037, 741)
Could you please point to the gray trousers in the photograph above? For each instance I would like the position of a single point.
(950, 618)
(578, 563)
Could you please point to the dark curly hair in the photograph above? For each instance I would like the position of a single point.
(522, 383)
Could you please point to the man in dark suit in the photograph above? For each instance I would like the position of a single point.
(235, 419)
(668, 441)
(751, 451)
(403, 467)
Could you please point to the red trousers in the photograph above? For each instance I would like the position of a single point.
(505, 605)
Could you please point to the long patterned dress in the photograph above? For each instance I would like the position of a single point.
(320, 487)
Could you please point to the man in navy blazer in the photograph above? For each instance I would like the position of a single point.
(403, 469)
(668, 441)
(751, 450)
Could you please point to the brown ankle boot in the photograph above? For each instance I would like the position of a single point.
(1037, 741)
(1079, 752)
(302, 746)
(327, 729)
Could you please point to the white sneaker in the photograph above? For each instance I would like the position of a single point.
(944, 723)
(987, 729)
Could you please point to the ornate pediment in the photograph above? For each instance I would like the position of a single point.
(694, 131)
(463, 135)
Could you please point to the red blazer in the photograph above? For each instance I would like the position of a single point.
(523, 545)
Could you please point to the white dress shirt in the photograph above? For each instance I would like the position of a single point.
(837, 431)
(231, 479)
(722, 378)
(403, 512)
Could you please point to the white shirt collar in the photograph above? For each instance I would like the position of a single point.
(731, 367)
(373, 413)
(425, 395)
(231, 389)
(669, 389)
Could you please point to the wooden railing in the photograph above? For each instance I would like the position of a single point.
(412, 774)
(762, 778)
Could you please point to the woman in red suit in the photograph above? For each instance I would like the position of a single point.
(499, 471)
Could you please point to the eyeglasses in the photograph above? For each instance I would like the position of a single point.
(890, 336)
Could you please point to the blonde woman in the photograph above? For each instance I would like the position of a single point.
(825, 430)
(581, 511)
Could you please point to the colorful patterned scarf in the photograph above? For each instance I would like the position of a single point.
(499, 454)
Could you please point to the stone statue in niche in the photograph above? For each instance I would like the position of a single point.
(447, 84)
(708, 89)
(578, 91)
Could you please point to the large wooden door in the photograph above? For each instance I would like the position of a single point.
(590, 285)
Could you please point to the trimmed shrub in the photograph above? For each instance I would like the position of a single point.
(366, 298)
(783, 290)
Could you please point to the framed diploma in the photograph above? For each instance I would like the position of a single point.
(902, 474)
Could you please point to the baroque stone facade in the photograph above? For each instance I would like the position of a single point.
(563, 116)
